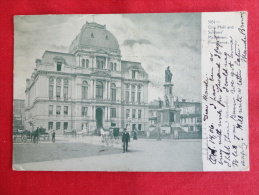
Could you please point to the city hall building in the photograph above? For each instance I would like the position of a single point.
(90, 86)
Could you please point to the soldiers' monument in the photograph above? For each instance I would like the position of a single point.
(169, 115)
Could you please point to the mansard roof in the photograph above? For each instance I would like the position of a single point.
(93, 35)
(51, 56)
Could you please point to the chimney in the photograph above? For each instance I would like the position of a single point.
(38, 62)
(27, 82)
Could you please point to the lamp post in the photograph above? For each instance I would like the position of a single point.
(158, 126)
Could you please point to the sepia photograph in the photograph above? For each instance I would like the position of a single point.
(114, 92)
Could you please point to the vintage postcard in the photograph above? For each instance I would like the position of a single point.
(131, 92)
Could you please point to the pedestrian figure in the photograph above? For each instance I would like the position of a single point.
(125, 140)
(135, 135)
(36, 135)
(53, 136)
(148, 134)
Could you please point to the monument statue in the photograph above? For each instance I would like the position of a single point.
(160, 103)
(166, 101)
(168, 75)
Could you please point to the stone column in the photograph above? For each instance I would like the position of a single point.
(104, 113)
(94, 112)
(136, 93)
(92, 89)
(61, 90)
(109, 89)
(54, 88)
(94, 83)
(130, 93)
(106, 63)
(105, 90)
(109, 113)
(94, 62)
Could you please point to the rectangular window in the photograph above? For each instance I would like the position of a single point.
(84, 111)
(113, 112)
(133, 74)
(58, 91)
(132, 97)
(65, 92)
(139, 113)
(59, 65)
(133, 113)
(51, 91)
(139, 97)
(198, 120)
(65, 110)
(139, 127)
(65, 125)
(50, 109)
(127, 96)
(171, 117)
(133, 126)
(57, 125)
(127, 113)
(50, 125)
(58, 108)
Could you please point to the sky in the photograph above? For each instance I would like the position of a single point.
(155, 40)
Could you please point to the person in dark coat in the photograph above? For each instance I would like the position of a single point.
(53, 136)
(135, 135)
(36, 135)
(125, 140)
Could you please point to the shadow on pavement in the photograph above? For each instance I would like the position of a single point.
(25, 153)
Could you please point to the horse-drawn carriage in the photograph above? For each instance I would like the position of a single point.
(22, 135)
(71, 133)
(110, 136)
(25, 135)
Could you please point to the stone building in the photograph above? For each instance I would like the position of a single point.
(90, 86)
(18, 114)
(190, 115)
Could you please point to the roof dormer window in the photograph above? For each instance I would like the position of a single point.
(59, 65)
(133, 74)
(107, 38)
(92, 35)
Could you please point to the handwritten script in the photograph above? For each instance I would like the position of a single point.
(224, 91)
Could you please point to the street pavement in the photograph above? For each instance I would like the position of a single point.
(90, 154)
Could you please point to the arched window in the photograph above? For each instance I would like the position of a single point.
(87, 63)
(111, 66)
(99, 90)
(113, 92)
(84, 90)
(83, 63)
(114, 66)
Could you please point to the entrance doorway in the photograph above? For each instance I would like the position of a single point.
(99, 118)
